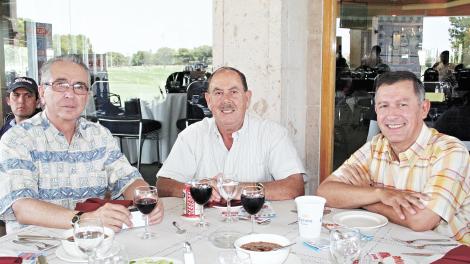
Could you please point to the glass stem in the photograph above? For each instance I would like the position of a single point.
(201, 216)
(91, 256)
(229, 212)
(252, 224)
(146, 225)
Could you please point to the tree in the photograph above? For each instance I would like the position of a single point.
(117, 59)
(459, 32)
(202, 53)
(184, 56)
(141, 58)
(164, 56)
(74, 44)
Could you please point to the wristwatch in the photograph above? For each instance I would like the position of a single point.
(76, 217)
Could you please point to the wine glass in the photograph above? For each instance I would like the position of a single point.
(345, 245)
(252, 199)
(228, 189)
(201, 191)
(88, 233)
(145, 199)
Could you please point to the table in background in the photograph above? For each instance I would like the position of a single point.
(170, 244)
(167, 112)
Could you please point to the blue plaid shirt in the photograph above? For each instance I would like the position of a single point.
(36, 161)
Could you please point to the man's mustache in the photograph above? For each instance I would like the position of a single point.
(227, 107)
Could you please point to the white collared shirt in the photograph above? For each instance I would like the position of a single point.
(261, 151)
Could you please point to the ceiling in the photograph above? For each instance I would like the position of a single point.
(413, 7)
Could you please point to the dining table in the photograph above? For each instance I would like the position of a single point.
(170, 243)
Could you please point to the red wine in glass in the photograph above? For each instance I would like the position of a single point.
(201, 191)
(252, 198)
(146, 199)
(146, 205)
(252, 204)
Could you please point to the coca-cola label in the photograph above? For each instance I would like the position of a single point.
(190, 207)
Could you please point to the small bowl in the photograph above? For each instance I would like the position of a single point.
(271, 257)
(71, 248)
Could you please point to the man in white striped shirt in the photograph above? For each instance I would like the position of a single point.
(234, 143)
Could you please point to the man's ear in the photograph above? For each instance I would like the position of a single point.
(208, 99)
(248, 98)
(425, 106)
(7, 99)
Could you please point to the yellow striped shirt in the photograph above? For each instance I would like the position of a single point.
(436, 164)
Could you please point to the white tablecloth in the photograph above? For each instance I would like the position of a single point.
(170, 244)
(167, 112)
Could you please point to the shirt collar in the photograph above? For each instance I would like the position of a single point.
(246, 122)
(416, 149)
(47, 125)
(12, 122)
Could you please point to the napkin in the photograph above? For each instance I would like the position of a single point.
(92, 204)
(10, 260)
(458, 255)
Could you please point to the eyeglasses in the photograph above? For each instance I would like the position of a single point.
(62, 86)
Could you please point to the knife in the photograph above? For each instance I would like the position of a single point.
(36, 237)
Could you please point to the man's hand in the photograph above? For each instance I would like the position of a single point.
(156, 216)
(112, 216)
(400, 200)
(215, 197)
(355, 175)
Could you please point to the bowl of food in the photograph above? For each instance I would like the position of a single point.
(263, 248)
(71, 248)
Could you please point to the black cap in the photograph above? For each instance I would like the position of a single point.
(24, 82)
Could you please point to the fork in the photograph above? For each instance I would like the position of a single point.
(47, 245)
(411, 241)
(421, 246)
(40, 248)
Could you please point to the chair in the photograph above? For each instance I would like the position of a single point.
(196, 106)
(431, 80)
(130, 124)
(177, 82)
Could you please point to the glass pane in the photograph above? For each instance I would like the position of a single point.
(372, 40)
(135, 45)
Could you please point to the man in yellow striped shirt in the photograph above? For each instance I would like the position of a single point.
(412, 174)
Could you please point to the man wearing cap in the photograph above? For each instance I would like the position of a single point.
(22, 99)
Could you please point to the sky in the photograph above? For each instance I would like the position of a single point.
(126, 26)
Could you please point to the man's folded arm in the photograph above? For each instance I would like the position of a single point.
(342, 195)
(168, 187)
(285, 189)
(30, 211)
(422, 220)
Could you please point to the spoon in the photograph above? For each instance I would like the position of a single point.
(29, 243)
(286, 246)
(179, 230)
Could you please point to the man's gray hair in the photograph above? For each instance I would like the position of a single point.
(45, 72)
(397, 76)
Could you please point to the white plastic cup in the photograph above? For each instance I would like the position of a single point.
(310, 214)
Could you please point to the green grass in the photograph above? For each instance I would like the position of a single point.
(139, 81)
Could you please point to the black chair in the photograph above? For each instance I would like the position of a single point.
(175, 83)
(196, 105)
(130, 124)
(431, 80)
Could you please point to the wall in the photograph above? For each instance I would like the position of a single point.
(277, 45)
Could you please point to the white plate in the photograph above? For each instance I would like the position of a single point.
(362, 220)
(157, 258)
(63, 255)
